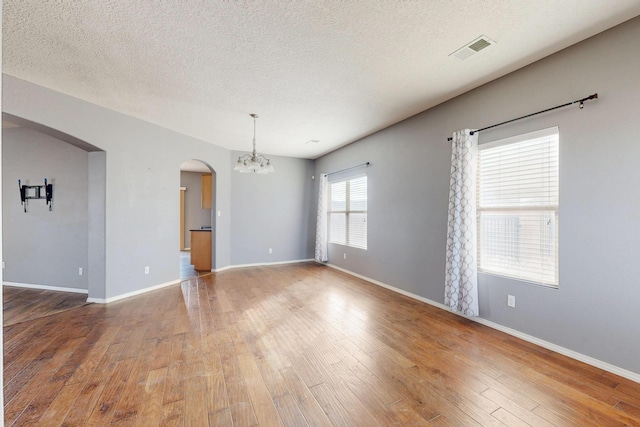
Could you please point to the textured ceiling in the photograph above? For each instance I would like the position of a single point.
(326, 70)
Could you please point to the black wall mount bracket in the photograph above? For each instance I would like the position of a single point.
(28, 192)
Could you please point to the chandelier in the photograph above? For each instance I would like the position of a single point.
(254, 162)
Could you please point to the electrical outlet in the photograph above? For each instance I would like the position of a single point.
(270, 250)
(511, 301)
(146, 270)
(3, 265)
(219, 213)
(345, 255)
(79, 271)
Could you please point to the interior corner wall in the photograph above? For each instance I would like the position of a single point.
(273, 211)
(594, 310)
(142, 182)
(43, 247)
(97, 219)
(194, 215)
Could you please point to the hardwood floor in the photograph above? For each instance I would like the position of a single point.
(22, 304)
(294, 345)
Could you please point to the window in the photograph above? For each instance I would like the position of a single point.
(348, 212)
(518, 207)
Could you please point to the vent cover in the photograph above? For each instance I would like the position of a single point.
(473, 47)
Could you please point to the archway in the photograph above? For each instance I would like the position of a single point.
(75, 241)
(197, 218)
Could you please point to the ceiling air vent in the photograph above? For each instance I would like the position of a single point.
(472, 48)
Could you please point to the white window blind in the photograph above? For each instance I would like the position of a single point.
(348, 212)
(518, 207)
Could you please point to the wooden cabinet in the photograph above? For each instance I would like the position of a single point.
(206, 191)
(201, 250)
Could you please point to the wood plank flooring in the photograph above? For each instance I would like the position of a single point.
(295, 345)
(22, 304)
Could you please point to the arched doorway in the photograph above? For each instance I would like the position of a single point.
(197, 218)
(80, 267)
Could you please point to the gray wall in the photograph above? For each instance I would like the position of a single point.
(273, 211)
(594, 311)
(42, 247)
(97, 221)
(194, 215)
(142, 177)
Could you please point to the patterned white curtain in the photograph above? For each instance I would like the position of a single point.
(321, 223)
(461, 280)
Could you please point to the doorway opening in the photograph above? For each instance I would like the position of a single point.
(78, 227)
(197, 219)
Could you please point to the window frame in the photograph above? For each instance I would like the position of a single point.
(521, 209)
(347, 211)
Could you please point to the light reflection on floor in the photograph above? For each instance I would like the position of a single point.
(186, 269)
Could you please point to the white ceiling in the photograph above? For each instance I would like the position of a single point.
(327, 70)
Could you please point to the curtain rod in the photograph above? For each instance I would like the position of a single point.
(579, 101)
(346, 169)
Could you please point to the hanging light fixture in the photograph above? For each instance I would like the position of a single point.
(254, 162)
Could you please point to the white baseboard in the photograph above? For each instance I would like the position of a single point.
(133, 293)
(46, 287)
(633, 376)
(260, 264)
